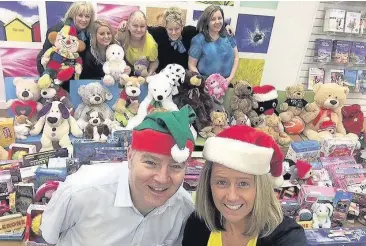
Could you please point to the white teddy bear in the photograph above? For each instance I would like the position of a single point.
(321, 215)
(115, 65)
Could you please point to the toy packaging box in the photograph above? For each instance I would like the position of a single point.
(363, 23)
(361, 80)
(7, 134)
(334, 20)
(85, 149)
(42, 158)
(337, 76)
(109, 154)
(341, 203)
(310, 194)
(316, 75)
(350, 77)
(33, 235)
(341, 49)
(323, 50)
(341, 237)
(337, 147)
(358, 53)
(352, 24)
(303, 150)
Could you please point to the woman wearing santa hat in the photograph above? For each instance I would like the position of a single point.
(235, 201)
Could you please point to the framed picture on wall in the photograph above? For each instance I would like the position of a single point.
(19, 21)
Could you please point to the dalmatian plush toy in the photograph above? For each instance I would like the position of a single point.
(176, 73)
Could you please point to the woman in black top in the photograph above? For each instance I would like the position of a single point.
(174, 39)
(95, 54)
(83, 14)
(235, 200)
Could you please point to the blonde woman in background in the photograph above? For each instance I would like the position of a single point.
(83, 14)
(235, 200)
(101, 36)
(138, 43)
(173, 38)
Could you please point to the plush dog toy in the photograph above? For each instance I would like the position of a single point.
(96, 129)
(62, 60)
(94, 96)
(115, 65)
(176, 73)
(127, 105)
(57, 123)
(321, 215)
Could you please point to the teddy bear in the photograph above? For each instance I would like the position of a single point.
(127, 105)
(62, 60)
(219, 123)
(115, 65)
(273, 128)
(322, 212)
(56, 93)
(328, 102)
(159, 96)
(294, 104)
(140, 67)
(28, 94)
(93, 96)
(243, 102)
(216, 86)
(22, 126)
(192, 92)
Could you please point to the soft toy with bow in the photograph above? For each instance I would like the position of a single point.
(62, 60)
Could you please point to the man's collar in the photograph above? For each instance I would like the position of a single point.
(123, 195)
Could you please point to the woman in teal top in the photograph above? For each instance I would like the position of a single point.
(212, 50)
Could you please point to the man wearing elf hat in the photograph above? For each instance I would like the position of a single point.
(141, 202)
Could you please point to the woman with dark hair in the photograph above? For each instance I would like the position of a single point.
(212, 50)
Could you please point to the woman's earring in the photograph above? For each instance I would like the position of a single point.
(221, 220)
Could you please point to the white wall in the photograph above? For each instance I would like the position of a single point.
(290, 35)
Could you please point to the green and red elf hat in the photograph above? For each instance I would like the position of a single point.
(166, 133)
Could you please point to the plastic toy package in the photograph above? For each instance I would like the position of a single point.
(33, 235)
(334, 237)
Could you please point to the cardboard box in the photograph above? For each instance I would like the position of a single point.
(7, 134)
(333, 237)
(303, 150)
(337, 147)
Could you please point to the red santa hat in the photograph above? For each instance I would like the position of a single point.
(303, 167)
(264, 93)
(246, 150)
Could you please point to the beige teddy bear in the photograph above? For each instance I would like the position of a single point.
(328, 102)
(273, 123)
(294, 104)
(219, 123)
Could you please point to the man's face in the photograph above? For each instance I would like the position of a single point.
(154, 179)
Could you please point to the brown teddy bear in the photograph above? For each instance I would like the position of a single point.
(192, 92)
(328, 102)
(128, 104)
(294, 104)
(219, 123)
(273, 123)
(243, 102)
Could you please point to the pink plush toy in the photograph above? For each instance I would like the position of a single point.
(216, 85)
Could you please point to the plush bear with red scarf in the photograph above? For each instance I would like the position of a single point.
(353, 119)
(62, 60)
(328, 102)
